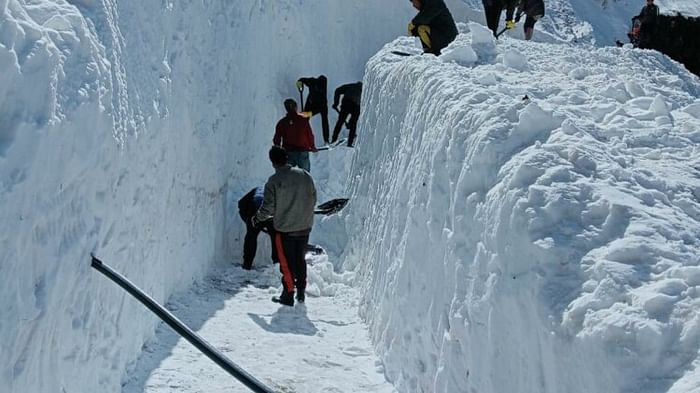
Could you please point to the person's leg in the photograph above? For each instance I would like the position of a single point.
(250, 245)
(352, 125)
(342, 115)
(424, 35)
(645, 36)
(493, 15)
(529, 27)
(285, 251)
(296, 158)
(324, 123)
(299, 265)
(303, 161)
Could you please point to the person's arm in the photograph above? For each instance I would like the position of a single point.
(277, 139)
(308, 81)
(341, 90)
(520, 10)
(510, 9)
(267, 209)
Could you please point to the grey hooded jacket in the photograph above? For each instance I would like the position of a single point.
(290, 199)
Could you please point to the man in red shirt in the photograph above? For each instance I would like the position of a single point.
(293, 132)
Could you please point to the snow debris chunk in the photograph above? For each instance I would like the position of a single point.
(462, 55)
(516, 60)
(483, 42)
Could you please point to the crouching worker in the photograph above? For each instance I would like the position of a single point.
(247, 207)
(289, 198)
(433, 24)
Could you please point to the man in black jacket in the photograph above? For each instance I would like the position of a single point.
(434, 25)
(648, 17)
(247, 207)
(316, 101)
(350, 106)
(493, 10)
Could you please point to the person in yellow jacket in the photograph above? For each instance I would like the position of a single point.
(433, 24)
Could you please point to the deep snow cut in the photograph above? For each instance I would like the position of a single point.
(528, 221)
(545, 243)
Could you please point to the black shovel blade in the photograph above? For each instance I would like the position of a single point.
(332, 206)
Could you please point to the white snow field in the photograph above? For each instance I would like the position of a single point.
(491, 244)
(539, 244)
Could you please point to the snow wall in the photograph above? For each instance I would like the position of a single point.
(547, 244)
(126, 129)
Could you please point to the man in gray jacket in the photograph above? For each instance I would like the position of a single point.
(290, 197)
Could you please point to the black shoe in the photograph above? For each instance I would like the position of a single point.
(281, 300)
(301, 297)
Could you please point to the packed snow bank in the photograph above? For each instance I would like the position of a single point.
(582, 21)
(125, 130)
(529, 221)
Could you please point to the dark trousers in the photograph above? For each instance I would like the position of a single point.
(323, 111)
(347, 110)
(493, 16)
(646, 35)
(291, 251)
(250, 244)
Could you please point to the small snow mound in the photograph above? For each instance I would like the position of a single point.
(516, 60)
(487, 79)
(659, 107)
(481, 34)
(693, 110)
(617, 92)
(578, 73)
(533, 120)
(634, 89)
(462, 55)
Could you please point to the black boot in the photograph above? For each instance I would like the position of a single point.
(300, 296)
(286, 298)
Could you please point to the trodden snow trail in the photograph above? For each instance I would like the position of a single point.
(320, 346)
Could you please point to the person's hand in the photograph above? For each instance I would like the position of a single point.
(411, 27)
(517, 17)
(254, 222)
(510, 25)
(335, 108)
(300, 85)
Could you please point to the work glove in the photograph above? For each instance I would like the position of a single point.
(300, 85)
(510, 25)
(411, 27)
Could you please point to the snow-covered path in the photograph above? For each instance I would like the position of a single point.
(322, 346)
